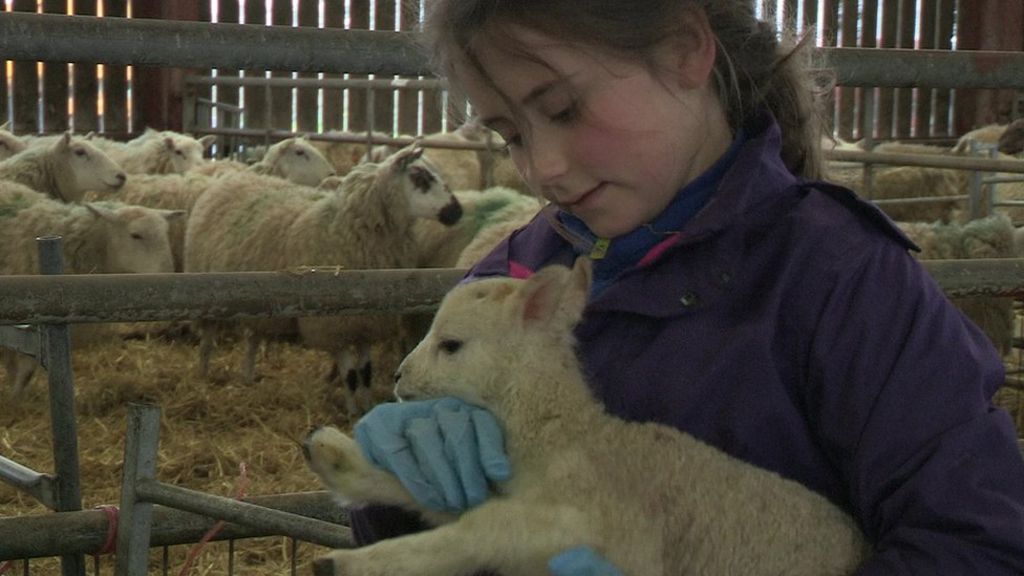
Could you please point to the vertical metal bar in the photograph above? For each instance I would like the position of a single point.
(231, 557)
(295, 553)
(57, 357)
(139, 463)
(166, 560)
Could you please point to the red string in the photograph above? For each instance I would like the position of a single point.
(111, 543)
(241, 487)
(5, 566)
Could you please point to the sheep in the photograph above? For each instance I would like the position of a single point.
(260, 223)
(64, 169)
(343, 156)
(101, 237)
(296, 160)
(10, 144)
(157, 152)
(1006, 138)
(488, 216)
(648, 497)
(991, 237)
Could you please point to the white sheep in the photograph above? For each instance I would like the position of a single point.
(157, 152)
(101, 237)
(1006, 138)
(64, 169)
(991, 237)
(648, 497)
(295, 159)
(343, 156)
(261, 223)
(488, 216)
(10, 143)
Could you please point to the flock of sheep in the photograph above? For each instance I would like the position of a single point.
(157, 204)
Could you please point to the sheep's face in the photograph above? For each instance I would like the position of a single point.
(485, 331)
(298, 161)
(137, 238)
(428, 194)
(86, 166)
(185, 152)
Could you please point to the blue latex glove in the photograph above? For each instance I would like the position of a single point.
(581, 561)
(443, 450)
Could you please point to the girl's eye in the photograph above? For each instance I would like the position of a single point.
(450, 346)
(567, 115)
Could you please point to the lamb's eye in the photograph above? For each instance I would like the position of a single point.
(450, 346)
(136, 236)
(80, 152)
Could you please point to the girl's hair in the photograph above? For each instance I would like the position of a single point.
(754, 69)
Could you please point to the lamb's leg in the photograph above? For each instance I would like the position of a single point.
(252, 348)
(509, 537)
(348, 379)
(206, 336)
(24, 369)
(364, 393)
(339, 462)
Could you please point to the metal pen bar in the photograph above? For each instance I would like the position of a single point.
(57, 357)
(40, 486)
(149, 297)
(273, 521)
(929, 160)
(23, 339)
(178, 43)
(85, 531)
(149, 42)
(351, 83)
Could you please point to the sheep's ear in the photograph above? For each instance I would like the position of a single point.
(207, 141)
(6, 126)
(172, 215)
(406, 156)
(89, 135)
(330, 183)
(99, 211)
(169, 143)
(555, 295)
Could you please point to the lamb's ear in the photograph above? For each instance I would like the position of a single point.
(6, 126)
(64, 141)
(99, 211)
(169, 143)
(555, 294)
(207, 141)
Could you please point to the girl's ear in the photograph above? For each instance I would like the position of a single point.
(695, 49)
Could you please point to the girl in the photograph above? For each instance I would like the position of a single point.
(736, 298)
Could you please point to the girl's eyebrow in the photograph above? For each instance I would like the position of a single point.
(538, 91)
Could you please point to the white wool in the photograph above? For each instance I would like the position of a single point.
(64, 168)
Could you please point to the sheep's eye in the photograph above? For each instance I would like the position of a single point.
(179, 152)
(450, 346)
(300, 152)
(136, 236)
(80, 152)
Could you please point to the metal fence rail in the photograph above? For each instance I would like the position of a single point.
(59, 38)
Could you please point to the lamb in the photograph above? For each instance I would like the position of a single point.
(10, 144)
(158, 152)
(64, 169)
(649, 498)
(991, 237)
(261, 223)
(101, 237)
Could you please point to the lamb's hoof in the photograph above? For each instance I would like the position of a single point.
(323, 567)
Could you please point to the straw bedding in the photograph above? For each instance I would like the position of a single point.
(209, 427)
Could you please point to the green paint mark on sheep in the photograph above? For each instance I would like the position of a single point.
(247, 218)
(16, 203)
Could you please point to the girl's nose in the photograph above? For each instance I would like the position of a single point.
(548, 161)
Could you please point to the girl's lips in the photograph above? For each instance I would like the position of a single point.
(586, 197)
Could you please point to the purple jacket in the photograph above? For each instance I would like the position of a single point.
(788, 325)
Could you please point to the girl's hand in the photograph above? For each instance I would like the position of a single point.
(581, 561)
(444, 451)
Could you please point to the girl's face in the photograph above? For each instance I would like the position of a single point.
(601, 137)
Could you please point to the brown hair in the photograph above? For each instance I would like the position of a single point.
(753, 69)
